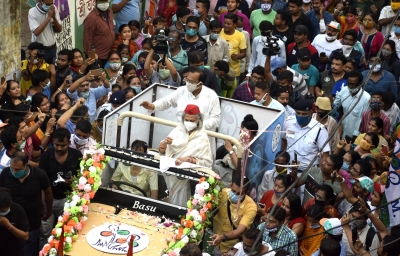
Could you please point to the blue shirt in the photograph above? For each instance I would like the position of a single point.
(94, 95)
(311, 75)
(47, 92)
(315, 21)
(385, 83)
(129, 12)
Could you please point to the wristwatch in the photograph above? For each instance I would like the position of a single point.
(231, 152)
(224, 238)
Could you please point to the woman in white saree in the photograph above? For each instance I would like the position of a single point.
(188, 142)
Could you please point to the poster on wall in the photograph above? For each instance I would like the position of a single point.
(83, 8)
(64, 39)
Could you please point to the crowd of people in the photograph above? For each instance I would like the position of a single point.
(315, 71)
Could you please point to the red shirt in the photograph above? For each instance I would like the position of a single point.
(267, 200)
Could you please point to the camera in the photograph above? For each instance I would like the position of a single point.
(162, 42)
(40, 54)
(271, 46)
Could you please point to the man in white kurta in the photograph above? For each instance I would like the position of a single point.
(193, 93)
(188, 142)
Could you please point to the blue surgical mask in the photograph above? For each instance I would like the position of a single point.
(196, 13)
(239, 29)
(47, 85)
(19, 174)
(45, 7)
(303, 120)
(100, 129)
(234, 198)
(273, 230)
(265, 7)
(191, 32)
(345, 166)
(396, 30)
(141, 64)
(4, 213)
(201, 67)
(214, 36)
(136, 88)
(277, 193)
(84, 95)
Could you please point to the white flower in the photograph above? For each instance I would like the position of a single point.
(68, 239)
(82, 180)
(72, 204)
(53, 252)
(217, 188)
(60, 218)
(80, 209)
(89, 152)
(92, 169)
(84, 218)
(177, 250)
(198, 218)
(193, 234)
(198, 186)
(88, 188)
(205, 185)
(194, 213)
(196, 196)
(50, 238)
(67, 205)
(58, 231)
(76, 198)
(201, 201)
(101, 151)
(185, 239)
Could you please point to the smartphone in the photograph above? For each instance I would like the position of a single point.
(322, 54)
(96, 72)
(261, 205)
(348, 139)
(92, 54)
(384, 150)
(295, 157)
(354, 235)
(3, 79)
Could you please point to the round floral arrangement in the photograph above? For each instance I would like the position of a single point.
(197, 219)
(76, 208)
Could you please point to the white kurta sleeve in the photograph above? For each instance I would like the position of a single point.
(212, 122)
(168, 101)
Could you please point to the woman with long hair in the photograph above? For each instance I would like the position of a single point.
(391, 60)
(282, 182)
(125, 37)
(291, 204)
(369, 36)
(326, 198)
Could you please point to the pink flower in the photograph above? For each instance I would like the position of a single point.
(80, 194)
(84, 157)
(81, 187)
(200, 192)
(172, 253)
(85, 209)
(86, 196)
(194, 202)
(78, 226)
(67, 213)
(96, 158)
(217, 177)
(202, 211)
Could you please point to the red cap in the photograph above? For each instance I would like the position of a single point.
(192, 109)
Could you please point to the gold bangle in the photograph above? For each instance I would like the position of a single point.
(47, 134)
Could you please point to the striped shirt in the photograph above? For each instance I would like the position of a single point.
(285, 239)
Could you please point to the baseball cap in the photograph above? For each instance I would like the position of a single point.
(366, 183)
(303, 105)
(118, 97)
(332, 226)
(277, 62)
(304, 54)
(301, 29)
(323, 103)
(335, 25)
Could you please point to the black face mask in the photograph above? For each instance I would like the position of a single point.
(323, 114)
(275, 72)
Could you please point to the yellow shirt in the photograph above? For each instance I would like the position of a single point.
(236, 42)
(221, 223)
(376, 151)
(26, 84)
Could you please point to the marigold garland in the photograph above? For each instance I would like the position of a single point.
(76, 208)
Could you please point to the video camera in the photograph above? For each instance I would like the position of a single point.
(162, 42)
(271, 43)
(40, 54)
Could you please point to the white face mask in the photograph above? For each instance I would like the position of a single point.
(124, 59)
(377, 67)
(35, 61)
(103, 6)
(330, 38)
(192, 87)
(347, 50)
(115, 65)
(263, 99)
(80, 141)
(190, 125)
(100, 129)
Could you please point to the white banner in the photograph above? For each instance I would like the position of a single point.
(83, 8)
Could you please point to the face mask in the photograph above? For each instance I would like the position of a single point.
(214, 36)
(191, 87)
(22, 145)
(19, 174)
(239, 29)
(396, 30)
(191, 32)
(45, 7)
(84, 95)
(354, 90)
(277, 193)
(103, 6)
(386, 53)
(303, 120)
(263, 99)
(136, 88)
(201, 67)
(330, 38)
(395, 6)
(350, 20)
(368, 24)
(35, 61)
(234, 198)
(273, 230)
(265, 7)
(323, 114)
(47, 85)
(124, 59)
(314, 226)
(80, 141)
(100, 129)
(4, 213)
(189, 125)
(365, 145)
(377, 68)
(141, 64)
(115, 65)
(345, 166)
(375, 105)
(347, 50)
(196, 13)
(358, 223)
(164, 73)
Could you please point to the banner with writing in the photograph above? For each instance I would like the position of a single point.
(83, 8)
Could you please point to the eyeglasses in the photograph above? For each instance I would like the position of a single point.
(257, 79)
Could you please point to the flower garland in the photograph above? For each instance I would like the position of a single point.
(198, 217)
(76, 208)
